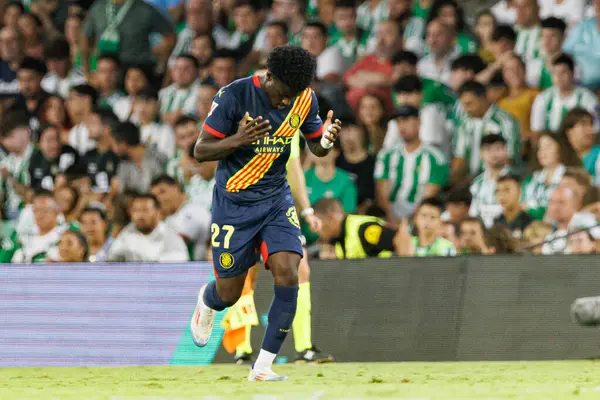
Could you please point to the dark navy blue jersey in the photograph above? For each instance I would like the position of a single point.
(257, 171)
(9, 86)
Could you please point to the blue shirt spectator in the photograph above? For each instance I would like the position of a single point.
(583, 43)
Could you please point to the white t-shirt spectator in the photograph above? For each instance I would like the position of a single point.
(570, 11)
(556, 242)
(79, 139)
(427, 67)
(163, 244)
(330, 61)
(504, 14)
(160, 136)
(193, 222)
(54, 84)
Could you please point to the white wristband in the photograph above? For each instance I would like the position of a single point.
(307, 211)
(326, 143)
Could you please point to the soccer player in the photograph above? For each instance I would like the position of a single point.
(249, 130)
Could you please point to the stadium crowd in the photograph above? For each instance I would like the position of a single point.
(466, 135)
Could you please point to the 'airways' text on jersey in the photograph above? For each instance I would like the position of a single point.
(257, 171)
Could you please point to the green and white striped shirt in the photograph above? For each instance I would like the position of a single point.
(198, 190)
(468, 135)
(549, 109)
(409, 173)
(367, 19)
(439, 248)
(538, 75)
(352, 50)
(536, 193)
(484, 203)
(18, 166)
(528, 42)
(173, 98)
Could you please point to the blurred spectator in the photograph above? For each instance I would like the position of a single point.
(578, 127)
(578, 180)
(496, 89)
(591, 202)
(494, 154)
(440, 41)
(156, 135)
(203, 48)
(54, 112)
(223, 67)
(520, 98)
(11, 49)
(485, 25)
(50, 159)
(140, 163)
(101, 162)
(356, 160)
(80, 103)
(499, 240)
(404, 63)
(562, 209)
(538, 69)
(72, 247)
(514, 217)
(505, 12)
(535, 234)
(198, 21)
(371, 14)
(204, 98)
(502, 47)
(61, 76)
(581, 242)
(32, 96)
(31, 29)
(123, 28)
(137, 77)
(275, 34)
(457, 205)
(409, 172)
(472, 236)
(15, 150)
(186, 134)
(330, 62)
(483, 119)
(551, 106)
(345, 35)
(371, 115)
(449, 231)
(428, 222)
(12, 12)
(95, 227)
(583, 42)
(106, 80)
(197, 179)
(42, 244)
(372, 74)
(324, 180)
(246, 20)
(69, 202)
(451, 14)
(554, 155)
(146, 238)
(354, 236)
(528, 28)
(292, 13)
(73, 37)
(191, 221)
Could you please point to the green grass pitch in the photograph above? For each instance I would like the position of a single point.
(416, 381)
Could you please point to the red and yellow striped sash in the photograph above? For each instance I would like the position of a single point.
(258, 166)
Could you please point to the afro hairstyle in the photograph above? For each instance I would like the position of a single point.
(293, 66)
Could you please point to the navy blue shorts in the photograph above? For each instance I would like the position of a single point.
(239, 232)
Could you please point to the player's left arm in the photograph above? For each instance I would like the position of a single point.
(298, 187)
(319, 141)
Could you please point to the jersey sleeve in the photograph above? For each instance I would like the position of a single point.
(312, 127)
(376, 238)
(222, 117)
(381, 171)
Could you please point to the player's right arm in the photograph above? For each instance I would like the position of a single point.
(216, 141)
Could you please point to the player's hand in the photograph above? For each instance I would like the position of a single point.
(314, 223)
(332, 130)
(250, 131)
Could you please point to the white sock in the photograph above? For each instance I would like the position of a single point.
(265, 359)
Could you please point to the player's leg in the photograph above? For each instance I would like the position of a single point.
(284, 266)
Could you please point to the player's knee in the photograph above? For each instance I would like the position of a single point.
(285, 270)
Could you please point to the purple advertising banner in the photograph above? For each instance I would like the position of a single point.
(100, 314)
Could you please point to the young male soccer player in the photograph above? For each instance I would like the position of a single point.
(249, 129)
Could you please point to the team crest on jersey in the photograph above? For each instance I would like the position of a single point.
(213, 106)
(294, 121)
(226, 260)
(293, 217)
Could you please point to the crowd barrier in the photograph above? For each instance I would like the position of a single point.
(426, 309)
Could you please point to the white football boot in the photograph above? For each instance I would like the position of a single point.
(202, 321)
(264, 375)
